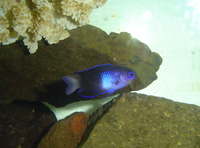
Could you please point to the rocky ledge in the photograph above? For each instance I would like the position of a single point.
(27, 79)
(129, 121)
(37, 77)
(136, 120)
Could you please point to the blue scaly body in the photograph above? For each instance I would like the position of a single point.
(101, 79)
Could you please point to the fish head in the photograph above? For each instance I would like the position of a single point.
(127, 76)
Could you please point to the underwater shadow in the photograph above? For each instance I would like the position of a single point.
(54, 94)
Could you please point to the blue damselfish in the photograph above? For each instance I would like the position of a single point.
(101, 79)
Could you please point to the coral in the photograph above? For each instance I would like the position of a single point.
(4, 32)
(37, 19)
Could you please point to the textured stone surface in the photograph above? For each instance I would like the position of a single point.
(38, 76)
(66, 133)
(137, 120)
(22, 124)
(123, 49)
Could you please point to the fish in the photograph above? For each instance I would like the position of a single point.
(98, 80)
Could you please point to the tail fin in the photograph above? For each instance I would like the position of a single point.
(72, 84)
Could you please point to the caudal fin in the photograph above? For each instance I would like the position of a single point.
(72, 84)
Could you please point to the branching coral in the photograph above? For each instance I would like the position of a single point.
(37, 19)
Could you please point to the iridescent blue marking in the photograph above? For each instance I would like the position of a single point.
(131, 75)
(100, 79)
(106, 80)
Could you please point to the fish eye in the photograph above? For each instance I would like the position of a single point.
(131, 74)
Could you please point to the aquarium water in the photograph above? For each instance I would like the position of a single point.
(170, 28)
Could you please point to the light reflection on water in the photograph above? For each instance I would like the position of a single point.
(170, 28)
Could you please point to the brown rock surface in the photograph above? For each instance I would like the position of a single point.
(38, 76)
(123, 49)
(140, 121)
(66, 133)
(22, 124)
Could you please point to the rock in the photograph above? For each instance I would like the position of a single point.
(123, 49)
(37, 77)
(66, 133)
(22, 124)
(137, 120)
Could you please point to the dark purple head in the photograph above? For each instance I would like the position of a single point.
(127, 76)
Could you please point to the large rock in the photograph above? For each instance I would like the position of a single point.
(66, 133)
(23, 124)
(137, 120)
(38, 76)
(123, 49)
